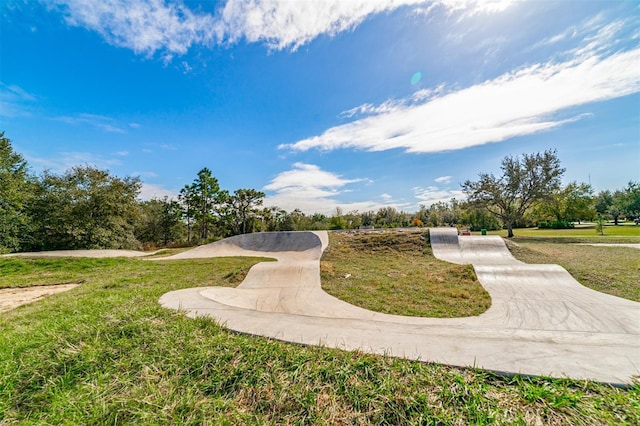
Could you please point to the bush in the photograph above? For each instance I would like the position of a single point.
(555, 224)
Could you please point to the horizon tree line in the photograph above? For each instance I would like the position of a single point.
(86, 207)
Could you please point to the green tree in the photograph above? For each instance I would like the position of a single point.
(187, 200)
(16, 191)
(160, 223)
(86, 208)
(524, 182)
(243, 211)
(603, 201)
(618, 205)
(208, 200)
(478, 218)
(572, 203)
(631, 200)
(620, 202)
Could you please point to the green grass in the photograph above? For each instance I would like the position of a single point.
(107, 353)
(627, 233)
(611, 270)
(396, 273)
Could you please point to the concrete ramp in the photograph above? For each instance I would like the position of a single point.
(541, 322)
(279, 245)
(485, 250)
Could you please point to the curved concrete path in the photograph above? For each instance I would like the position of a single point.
(541, 322)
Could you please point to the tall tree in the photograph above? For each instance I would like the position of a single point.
(16, 190)
(86, 208)
(160, 222)
(631, 201)
(524, 181)
(207, 199)
(187, 200)
(620, 202)
(572, 203)
(243, 209)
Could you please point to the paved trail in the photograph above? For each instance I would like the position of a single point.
(541, 322)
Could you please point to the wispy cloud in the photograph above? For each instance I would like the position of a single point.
(15, 101)
(105, 123)
(172, 28)
(151, 191)
(309, 188)
(144, 26)
(146, 174)
(475, 7)
(285, 24)
(432, 194)
(64, 161)
(518, 103)
(443, 179)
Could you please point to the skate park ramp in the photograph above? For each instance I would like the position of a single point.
(283, 245)
(541, 322)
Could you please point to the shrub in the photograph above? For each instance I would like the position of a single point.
(555, 224)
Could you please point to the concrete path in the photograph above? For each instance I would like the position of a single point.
(541, 322)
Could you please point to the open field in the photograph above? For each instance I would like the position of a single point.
(611, 270)
(396, 273)
(627, 233)
(106, 352)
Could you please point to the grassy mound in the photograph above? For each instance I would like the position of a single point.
(396, 273)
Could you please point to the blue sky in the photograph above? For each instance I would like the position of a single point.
(355, 104)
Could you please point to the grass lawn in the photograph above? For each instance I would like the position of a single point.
(396, 273)
(611, 270)
(107, 353)
(627, 233)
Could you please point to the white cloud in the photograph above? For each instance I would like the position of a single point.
(312, 190)
(172, 28)
(307, 176)
(287, 24)
(432, 194)
(369, 109)
(150, 191)
(66, 160)
(144, 26)
(518, 103)
(290, 24)
(105, 123)
(474, 7)
(15, 101)
(146, 174)
(443, 179)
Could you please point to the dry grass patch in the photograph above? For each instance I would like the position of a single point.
(396, 273)
(611, 270)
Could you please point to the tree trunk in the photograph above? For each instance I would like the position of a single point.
(509, 230)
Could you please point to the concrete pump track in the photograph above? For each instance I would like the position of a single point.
(541, 321)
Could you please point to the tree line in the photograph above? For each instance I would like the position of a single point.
(86, 207)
